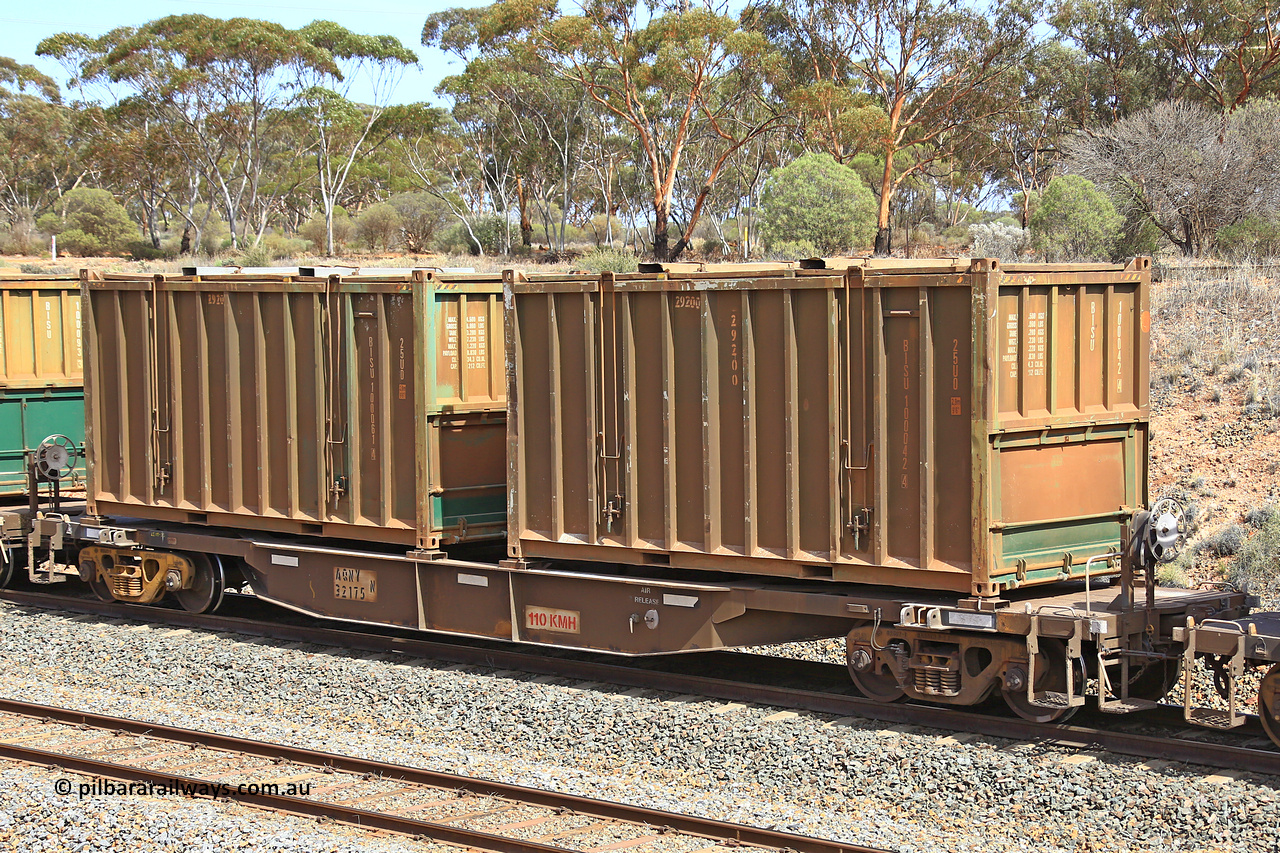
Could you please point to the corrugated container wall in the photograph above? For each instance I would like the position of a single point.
(41, 371)
(946, 425)
(364, 407)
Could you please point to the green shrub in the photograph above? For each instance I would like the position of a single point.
(379, 226)
(955, 236)
(22, 236)
(314, 230)
(457, 240)
(1139, 237)
(142, 250)
(422, 215)
(1256, 566)
(815, 201)
(280, 247)
(1253, 238)
(90, 222)
(713, 247)
(257, 255)
(1260, 517)
(605, 259)
(270, 249)
(1175, 573)
(1225, 543)
(1074, 221)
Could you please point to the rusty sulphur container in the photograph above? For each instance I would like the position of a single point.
(361, 407)
(41, 372)
(948, 425)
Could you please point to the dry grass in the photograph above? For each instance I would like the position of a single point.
(1221, 328)
(1215, 391)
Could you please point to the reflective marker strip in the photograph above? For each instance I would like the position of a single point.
(971, 620)
(282, 560)
(679, 600)
(472, 580)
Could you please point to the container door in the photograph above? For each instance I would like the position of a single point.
(922, 395)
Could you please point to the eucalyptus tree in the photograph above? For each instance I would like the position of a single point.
(820, 82)
(457, 165)
(1044, 96)
(218, 88)
(932, 66)
(1226, 51)
(39, 154)
(1108, 60)
(606, 154)
(668, 73)
(127, 151)
(343, 131)
(538, 117)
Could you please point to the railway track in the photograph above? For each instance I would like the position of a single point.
(470, 813)
(666, 674)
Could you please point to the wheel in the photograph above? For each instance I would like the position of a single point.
(1268, 708)
(1051, 675)
(880, 686)
(100, 587)
(1156, 680)
(205, 595)
(12, 559)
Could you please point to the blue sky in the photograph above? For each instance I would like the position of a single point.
(23, 25)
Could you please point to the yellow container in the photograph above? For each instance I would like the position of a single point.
(40, 344)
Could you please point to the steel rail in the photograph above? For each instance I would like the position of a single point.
(1205, 753)
(714, 830)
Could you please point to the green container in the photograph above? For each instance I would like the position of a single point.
(27, 417)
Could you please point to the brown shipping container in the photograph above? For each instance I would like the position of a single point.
(363, 407)
(951, 425)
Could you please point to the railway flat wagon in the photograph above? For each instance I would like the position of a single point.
(943, 462)
(958, 426)
(358, 407)
(41, 372)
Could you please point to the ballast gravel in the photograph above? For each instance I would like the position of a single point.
(904, 789)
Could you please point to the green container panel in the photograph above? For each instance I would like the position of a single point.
(26, 419)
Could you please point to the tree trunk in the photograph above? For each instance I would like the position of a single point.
(526, 224)
(328, 228)
(608, 203)
(1188, 242)
(661, 252)
(884, 242)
